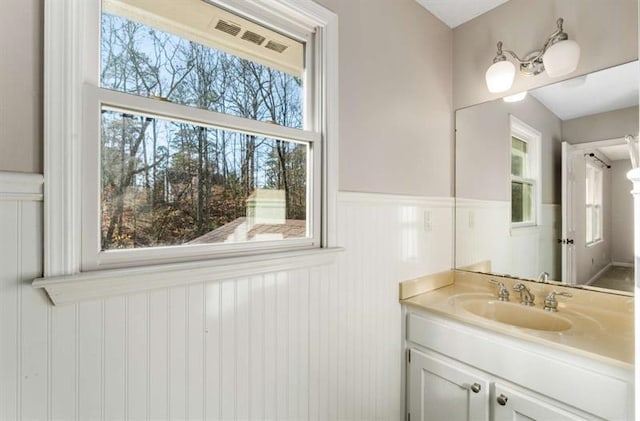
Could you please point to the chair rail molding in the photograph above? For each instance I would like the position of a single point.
(17, 186)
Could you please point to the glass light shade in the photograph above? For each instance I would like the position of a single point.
(561, 58)
(500, 76)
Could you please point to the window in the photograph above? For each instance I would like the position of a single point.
(524, 174)
(202, 143)
(593, 201)
(191, 130)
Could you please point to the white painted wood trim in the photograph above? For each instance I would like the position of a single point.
(70, 61)
(481, 204)
(380, 199)
(17, 186)
(329, 92)
(106, 283)
(63, 58)
(622, 264)
(597, 275)
(117, 101)
(580, 147)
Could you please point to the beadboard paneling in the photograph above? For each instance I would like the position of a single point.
(484, 233)
(318, 343)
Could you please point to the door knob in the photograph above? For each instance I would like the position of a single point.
(502, 399)
(476, 387)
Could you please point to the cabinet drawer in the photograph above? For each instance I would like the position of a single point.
(585, 386)
(513, 404)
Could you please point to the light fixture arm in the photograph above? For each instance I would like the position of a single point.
(532, 64)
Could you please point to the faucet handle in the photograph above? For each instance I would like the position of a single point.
(550, 302)
(526, 297)
(503, 292)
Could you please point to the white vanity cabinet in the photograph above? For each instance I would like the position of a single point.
(443, 390)
(455, 371)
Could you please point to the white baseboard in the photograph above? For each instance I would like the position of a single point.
(600, 272)
(622, 264)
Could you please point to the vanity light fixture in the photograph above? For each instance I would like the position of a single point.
(559, 56)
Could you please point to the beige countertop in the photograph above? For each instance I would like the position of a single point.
(601, 324)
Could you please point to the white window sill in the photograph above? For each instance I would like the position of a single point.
(69, 289)
(524, 229)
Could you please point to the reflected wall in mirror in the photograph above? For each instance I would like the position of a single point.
(541, 188)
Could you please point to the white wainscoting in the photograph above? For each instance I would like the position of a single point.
(312, 343)
(484, 233)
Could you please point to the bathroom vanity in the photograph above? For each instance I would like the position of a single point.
(470, 355)
(527, 175)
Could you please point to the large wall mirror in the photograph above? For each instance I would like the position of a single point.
(541, 187)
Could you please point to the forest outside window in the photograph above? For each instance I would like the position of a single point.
(197, 139)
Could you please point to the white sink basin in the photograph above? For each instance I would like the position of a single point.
(516, 315)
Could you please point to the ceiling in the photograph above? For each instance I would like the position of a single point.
(607, 90)
(615, 152)
(457, 12)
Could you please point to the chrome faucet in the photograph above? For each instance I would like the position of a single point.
(526, 297)
(503, 292)
(544, 276)
(550, 303)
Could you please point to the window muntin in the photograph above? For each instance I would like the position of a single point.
(593, 203)
(168, 183)
(270, 237)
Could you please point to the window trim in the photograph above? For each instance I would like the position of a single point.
(533, 138)
(65, 58)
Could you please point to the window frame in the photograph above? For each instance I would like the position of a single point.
(596, 190)
(93, 258)
(69, 82)
(532, 138)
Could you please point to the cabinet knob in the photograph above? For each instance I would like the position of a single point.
(502, 399)
(476, 387)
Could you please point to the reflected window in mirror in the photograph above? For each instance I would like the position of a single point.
(593, 201)
(525, 162)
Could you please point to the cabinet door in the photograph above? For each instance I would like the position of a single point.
(512, 405)
(439, 389)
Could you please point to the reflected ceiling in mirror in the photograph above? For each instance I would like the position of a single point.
(514, 213)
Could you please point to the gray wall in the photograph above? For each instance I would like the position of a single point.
(621, 213)
(483, 149)
(21, 85)
(396, 104)
(396, 113)
(604, 126)
(605, 30)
